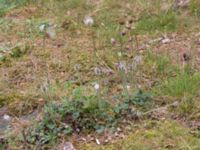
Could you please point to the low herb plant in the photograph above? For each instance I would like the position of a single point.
(85, 115)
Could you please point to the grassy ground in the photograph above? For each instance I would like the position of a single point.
(52, 62)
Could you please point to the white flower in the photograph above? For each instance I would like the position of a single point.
(122, 66)
(96, 86)
(137, 60)
(77, 67)
(97, 71)
(88, 21)
(6, 117)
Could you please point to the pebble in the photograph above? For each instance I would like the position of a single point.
(97, 141)
(166, 41)
(68, 146)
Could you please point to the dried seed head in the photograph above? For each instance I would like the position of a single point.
(96, 86)
(97, 71)
(77, 67)
(137, 60)
(122, 66)
(6, 117)
(51, 32)
(88, 20)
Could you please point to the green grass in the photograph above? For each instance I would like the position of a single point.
(182, 84)
(7, 5)
(165, 21)
(160, 135)
(161, 63)
(52, 64)
(194, 7)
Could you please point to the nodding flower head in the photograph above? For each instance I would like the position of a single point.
(96, 86)
(137, 60)
(97, 71)
(122, 66)
(88, 20)
(123, 33)
(77, 67)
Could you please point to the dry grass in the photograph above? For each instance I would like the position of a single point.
(39, 61)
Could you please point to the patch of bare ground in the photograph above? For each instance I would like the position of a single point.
(22, 14)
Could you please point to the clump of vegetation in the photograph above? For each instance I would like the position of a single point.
(85, 115)
(195, 7)
(6, 5)
(182, 84)
(105, 44)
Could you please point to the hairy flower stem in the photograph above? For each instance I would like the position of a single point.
(98, 93)
(79, 79)
(124, 82)
(137, 44)
(94, 44)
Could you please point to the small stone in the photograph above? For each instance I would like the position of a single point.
(175, 104)
(83, 139)
(116, 134)
(166, 41)
(97, 141)
(68, 146)
(119, 130)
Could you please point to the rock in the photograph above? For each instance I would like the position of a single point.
(166, 41)
(97, 141)
(68, 146)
